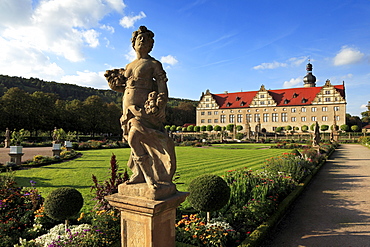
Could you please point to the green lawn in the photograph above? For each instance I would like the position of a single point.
(191, 162)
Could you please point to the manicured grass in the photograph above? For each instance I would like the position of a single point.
(191, 162)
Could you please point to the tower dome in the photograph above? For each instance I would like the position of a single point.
(309, 80)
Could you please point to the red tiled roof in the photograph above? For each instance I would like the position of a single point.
(366, 126)
(283, 97)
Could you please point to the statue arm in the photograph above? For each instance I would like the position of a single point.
(162, 98)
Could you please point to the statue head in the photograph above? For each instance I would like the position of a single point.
(142, 38)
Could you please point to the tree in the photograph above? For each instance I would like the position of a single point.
(324, 127)
(304, 128)
(93, 110)
(230, 127)
(196, 128)
(184, 129)
(239, 127)
(190, 128)
(179, 128)
(217, 128)
(209, 128)
(203, 128)
(167, 127)
(278, 129)
(173, 128)
(288, 127)
(344, 127)
(355, 128)
(312, 127)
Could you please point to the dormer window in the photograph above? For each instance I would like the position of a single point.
(295, 95)
(242, 103)
(237, 98)
(228, 104)
(286, 101)
(304, 100)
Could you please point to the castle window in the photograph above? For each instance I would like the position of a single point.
(313, 119)
(286, 101)
(262, 96)
(327, 92)
(209, 120)
(239, 118)
(265, 117)
(275, 117)
(223, 119)
(295, 95)
(249, 117)
(324, 118)
(237, 98)
(304, 100)
(313, 109)
(242, 103)
(294, 119)
(209, 113)
(327, 99)
(202, 113)
(216, 120)
(336, 108)
(284, 117)
(262, 102)
(228, 104)
(231, 118)
(215, 113)
(293, 109)
(325, 108)
(303, 109)
(303, 119)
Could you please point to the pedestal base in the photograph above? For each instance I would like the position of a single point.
(56, 152)
(145, 222)
(16, 158)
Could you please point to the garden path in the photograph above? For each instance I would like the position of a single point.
(29, 152)
(334, 210)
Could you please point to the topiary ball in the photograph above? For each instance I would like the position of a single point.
(208, 193)
(63, 203)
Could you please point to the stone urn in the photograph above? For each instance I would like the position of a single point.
(16, 149)
(68, 145)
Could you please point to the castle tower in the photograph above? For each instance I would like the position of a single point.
(309, 80)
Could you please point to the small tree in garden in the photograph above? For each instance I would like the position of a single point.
(324, 127)
(184, 129)
(208, 193)
(209, 128)
(17, 137)
(63, 204)
(304, 128)
(173, 128)
(196, 128)
(288, 128)
(179, 128)
(278, 129)
(190, 128)
(344, 127)
(167, 127)
(203, 128)
(239, 127)
(217, 128)
(230, 127)
(312, 127)
(355, 128)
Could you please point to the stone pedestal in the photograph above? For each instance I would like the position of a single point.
(57, 149)
(16, 158)
(146, 222)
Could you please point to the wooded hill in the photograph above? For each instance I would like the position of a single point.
(67, 91)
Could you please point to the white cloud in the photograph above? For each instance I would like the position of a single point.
(293, 82)
(129, 21)
(108, 28)
(363, 106)
(131, 55)
(348, 55)
(171, 60)
(297, 61)
(32, 33)
(87, 78)
(272, 65)
(17, 59)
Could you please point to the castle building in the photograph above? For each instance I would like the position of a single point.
(265, 110)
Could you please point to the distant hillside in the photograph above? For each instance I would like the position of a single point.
(68, 91)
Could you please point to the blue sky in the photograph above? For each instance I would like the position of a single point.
(218, 45)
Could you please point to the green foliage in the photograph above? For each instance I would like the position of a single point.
(167, 127)
(324, 127)
(203, 128)
(344, 127)
(63, 203)
(196, 128)
(208, 193)
(17, 210)
(209, 128)
(279, 129)
(304, 128)
(173, 128)
(288, 127)
(217, 128)
(230, 127)
(355, 128)
(17, 137)
(239, 127)
(312, 127)
(190, 128)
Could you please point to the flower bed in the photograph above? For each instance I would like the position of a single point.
(255, 197)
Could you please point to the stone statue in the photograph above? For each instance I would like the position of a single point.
(7, 138)
(145, 94)
(316, 136)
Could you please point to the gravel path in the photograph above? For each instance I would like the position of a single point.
(334, 210)
(28, 153)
